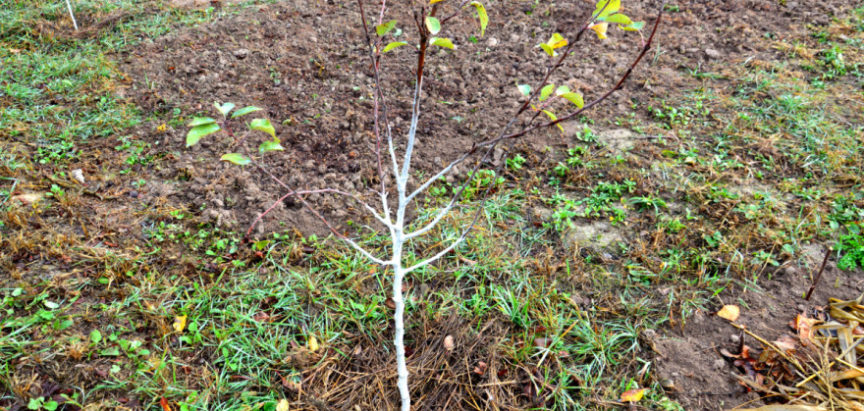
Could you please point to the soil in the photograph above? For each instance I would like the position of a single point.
(688, 360)
(304, 63)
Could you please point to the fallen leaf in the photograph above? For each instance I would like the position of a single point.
(162, 127)
(542, 342)
(786, 343)
(282, 406)
(804, 326)
(312, 343)
(481, 367)
(448, 343)
(164, 403)
(179, 323)
(29, 198)
(729, 312)
(633, 395)
(78, 175)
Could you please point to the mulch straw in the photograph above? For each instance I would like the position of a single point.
(821, 368)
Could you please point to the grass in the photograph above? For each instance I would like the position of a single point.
(180, 312)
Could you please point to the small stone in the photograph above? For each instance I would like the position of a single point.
(713, 54)
(241, 53)
(492, 42)
(719, 364)
(133, 194)
(735, 338)
(448, 343)
(649, 334)
(78, 175)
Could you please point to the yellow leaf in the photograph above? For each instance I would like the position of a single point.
(729, 312)
(312, 343)
(179, 323)
(282, 406)
(435, 1)
(633, 395)
(162, 127)
(600, 29)
(557, 41)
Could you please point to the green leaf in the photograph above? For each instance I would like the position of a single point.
(524, 89)
(110, 352)
(634, 26)
(34, 404)
(442, 42)
(553, 117)
(562, 90)
(546, 91)
(200, 121)
(197, 133)
(50, 305)
(95, 336)
(224, 108)
(619, 19)
(606, 8)
(574, 98)
(433, 24)
(244, 111)
(263, 125)
(548, 49)
(236, 158)
(385, 28)
(50, 405)
(481, 14)
(393, 45)
(270, 145)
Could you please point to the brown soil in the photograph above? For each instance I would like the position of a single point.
(304, 63)
(689, 360)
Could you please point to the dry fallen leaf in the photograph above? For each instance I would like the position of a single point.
(179, 323)
(481, 367)
(28, 198)
(804, 326)
(448, 343)
(312, 343)
(786, 343)
(282, 406)
(729, 312)
(633, 395)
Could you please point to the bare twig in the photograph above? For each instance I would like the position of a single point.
(818, 275)
(71, 14)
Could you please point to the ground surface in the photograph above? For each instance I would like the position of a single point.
(718, 175)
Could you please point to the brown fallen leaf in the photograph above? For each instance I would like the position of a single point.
(729, 312)
(786, 343)
(481, 367)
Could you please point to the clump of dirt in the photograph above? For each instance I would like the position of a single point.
(689, 362)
